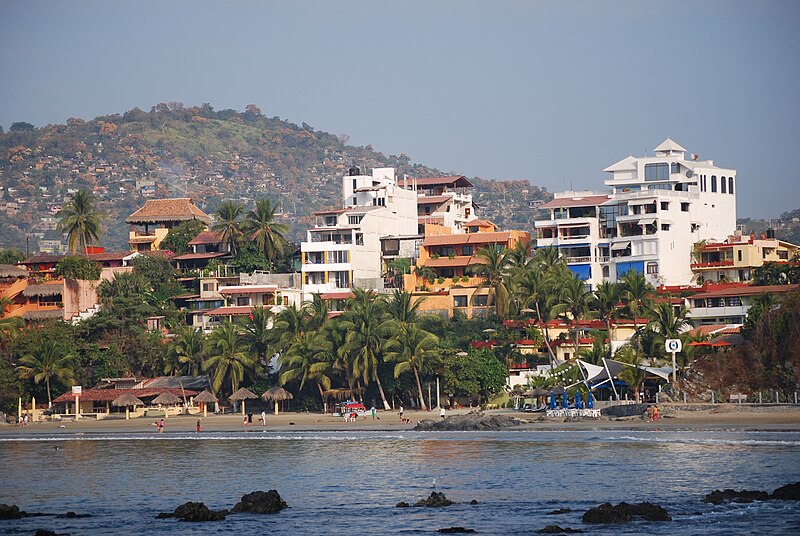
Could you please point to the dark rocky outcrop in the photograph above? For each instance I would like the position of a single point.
(555, 529)
(261, 502)
(468, 422)
(559, 511)
(45, 532)
(789, 492)
(402, 504)
(456, 530)
(624, 512)
(73, 515)
(436, 500)
(194, 511)
(11, 511)
(733, 496)
(473, 502)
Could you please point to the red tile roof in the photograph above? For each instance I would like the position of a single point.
(458, 180)
(467, 238)
(167, 210)
(206, 237)
(433, 199)
(750, 290)
(587, 201)
(344, 295)
(234, 310)
(196, 256)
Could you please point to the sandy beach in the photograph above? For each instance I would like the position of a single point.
(721, 417)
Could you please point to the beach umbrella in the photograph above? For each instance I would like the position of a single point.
(578, 401)
(590, 401)
(539, 392)
(206, 398)
(565, 400)
(166, 398)
(127, 400)
(719, 344)
(241, 395)
(277, 393)
(552, 400)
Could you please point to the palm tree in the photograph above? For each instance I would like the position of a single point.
(229, 222)
(364, 343)
(268, 233)
(187, 352)
(668, 321)
(598, 351)
(290, 324)
(409, 348)
(533, 286)
(258, 333)
(401, 309)
(493, 270)
(307, 359)
(633, 375)
(79, 219)
(606, 298)
(228, 358)
(575, 300)
(636, 292)
(318, 311)
(49, 363)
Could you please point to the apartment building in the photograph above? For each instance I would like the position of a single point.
(343, 250)
(734, 259)
(658, 208)
(151, 223)
(443, 201)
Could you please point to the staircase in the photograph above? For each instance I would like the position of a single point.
(83, 315)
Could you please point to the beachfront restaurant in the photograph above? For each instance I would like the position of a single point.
(130, 398)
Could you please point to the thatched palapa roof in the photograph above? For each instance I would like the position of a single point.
(44, 314)
(277, 393)
(205, 397)
(166, 398)
(127, 399)
(168, 210)
(12, 270)
(242, 394)
(43, 289)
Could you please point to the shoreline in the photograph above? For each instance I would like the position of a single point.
(728, 417)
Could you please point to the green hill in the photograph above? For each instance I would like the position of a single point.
(208, 155)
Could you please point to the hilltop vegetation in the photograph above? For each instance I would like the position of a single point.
(199, 152)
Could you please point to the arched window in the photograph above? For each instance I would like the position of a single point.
(730, 185)
(713, 183)
(723, 185)
(606, 272)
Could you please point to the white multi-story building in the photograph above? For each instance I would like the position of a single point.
(343, 250)
(659, 207)
(445, 201)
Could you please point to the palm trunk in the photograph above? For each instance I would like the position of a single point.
(380, 389)
(608, 325)
(419, 388)
(49, 399)
(322, 396)
(546, 337)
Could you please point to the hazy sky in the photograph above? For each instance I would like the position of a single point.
(549, 91)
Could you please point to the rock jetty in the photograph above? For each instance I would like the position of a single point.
(468, 422)
(624, 512)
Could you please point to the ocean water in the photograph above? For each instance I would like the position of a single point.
(349, 482)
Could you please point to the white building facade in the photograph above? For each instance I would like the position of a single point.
(659, 207)
(343, 250)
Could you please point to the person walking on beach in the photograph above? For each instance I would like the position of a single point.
(263, 417)
(199, 426)
(160, 426)
(442, 412)
(249, 420)
(650, 413)
(373, 410)
(655, 413)
(401, 413)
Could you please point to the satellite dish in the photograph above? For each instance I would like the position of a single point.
(689, 174)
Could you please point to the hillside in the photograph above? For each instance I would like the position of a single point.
(208, 155)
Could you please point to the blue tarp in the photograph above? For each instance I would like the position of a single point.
(625, 267)
(583, 271)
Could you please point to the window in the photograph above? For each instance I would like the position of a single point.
(623, 210)
(733, 301)
(480, 301)
(330, 221)
(359, 239)
(606, 272)
(243, 300)
(209, 287)
(730, 185)
(665, 227)
(355, 220)
(467, 212)
(467, 250)
(266, 299)
(459, 301)
(675, 168)
(665, 205)
(355, 184)
(713, 183)
(656, 172)
(355, 200)
(684, 207)
(723, 185)
(739, 255)
(336, 257)
(446, 251)
(341, 279)
(652, 268)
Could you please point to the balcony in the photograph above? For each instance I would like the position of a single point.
(713, 264)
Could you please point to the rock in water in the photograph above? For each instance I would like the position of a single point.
(456, 530)
(10, 512)
(402, 504)
(468, 422)
(789, 492)
(436, 500)
(733, 496)
(560, 511)
(624, 512)
(197, 511)
(261, 502)
(555, 529)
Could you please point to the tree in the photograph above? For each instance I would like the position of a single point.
(187, 349)
(534, 287)
(51, 362)
(425, 273)
(605, 302)
(269, 234)
(307, 359)
(228, 222)
(80, 220)
(365, 345)
(74, 267)
(11, 256)
(636, 294)
(290, 324)
(633, 375)
(402, 309)
(598, 351)
(21, 126)
(228, 359)
(667, 321)
(258, 333)
(478, 373)
(178, 238)
(493, 270)
(575, 300)
(408, 349)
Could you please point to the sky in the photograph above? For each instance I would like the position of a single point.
(547, 91)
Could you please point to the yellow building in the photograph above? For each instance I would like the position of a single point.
(151, 223)
(734, 259)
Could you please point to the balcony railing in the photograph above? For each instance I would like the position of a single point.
(713, 264)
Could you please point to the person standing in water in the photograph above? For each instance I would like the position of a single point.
(263, 417)
(199, 426)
